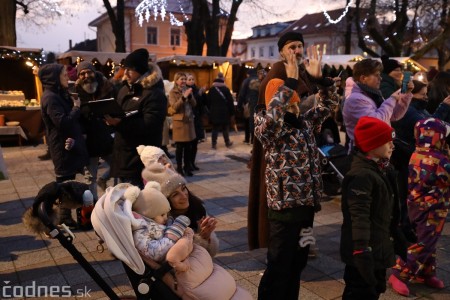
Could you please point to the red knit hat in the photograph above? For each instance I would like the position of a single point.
(371, 133)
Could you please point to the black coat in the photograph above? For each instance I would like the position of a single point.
(99, 140)
(61, 120)
(370, 213)
(221, 109)
(144, 128)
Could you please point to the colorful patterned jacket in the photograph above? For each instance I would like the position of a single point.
(293, 174)
(429, 166)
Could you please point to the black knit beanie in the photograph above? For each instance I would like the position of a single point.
(289, 36)
(389, 64)
(137, 60)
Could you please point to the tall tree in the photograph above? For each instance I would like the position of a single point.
(388, 34)
(8, 23)
(117, 19)
(206, 24)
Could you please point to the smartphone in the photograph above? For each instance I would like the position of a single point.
(405, 81)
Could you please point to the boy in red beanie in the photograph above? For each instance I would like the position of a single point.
(368, 210)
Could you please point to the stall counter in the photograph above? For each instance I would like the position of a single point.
(30, 120)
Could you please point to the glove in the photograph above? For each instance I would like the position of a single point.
(364, 264)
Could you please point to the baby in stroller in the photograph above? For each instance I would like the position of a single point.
(152, 238)
(196, 276)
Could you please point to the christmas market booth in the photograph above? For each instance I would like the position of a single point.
(204, 68)
(20, 92)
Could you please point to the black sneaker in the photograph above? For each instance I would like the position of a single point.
(229, 144)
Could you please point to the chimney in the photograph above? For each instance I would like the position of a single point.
(70, 44)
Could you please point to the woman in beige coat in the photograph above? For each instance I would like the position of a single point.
(182, 101)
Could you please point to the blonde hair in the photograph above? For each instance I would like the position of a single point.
(177, 76)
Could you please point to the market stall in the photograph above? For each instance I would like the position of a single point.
(205, 68)
(20, 92)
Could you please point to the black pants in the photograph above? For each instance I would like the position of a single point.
(194, 147)
(183, 154)
(285, 261)
(356, 288)
(246, 130)
(225, 128)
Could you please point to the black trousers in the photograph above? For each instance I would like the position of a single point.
(356, 287)
(285, 261)
(183, 154)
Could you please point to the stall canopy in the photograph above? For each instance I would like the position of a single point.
(102, 57)
(331, 60)
(259, 62)
(345, 61)
(194, 60)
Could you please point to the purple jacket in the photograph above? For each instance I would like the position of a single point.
(359, 104)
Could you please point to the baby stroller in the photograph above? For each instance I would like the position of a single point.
(335, 163)
(147, 284)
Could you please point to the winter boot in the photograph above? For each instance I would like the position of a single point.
(399, 286)
(434, 282)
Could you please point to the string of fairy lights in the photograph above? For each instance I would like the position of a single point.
(35, 58)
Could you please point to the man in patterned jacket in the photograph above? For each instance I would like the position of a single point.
(293, 179)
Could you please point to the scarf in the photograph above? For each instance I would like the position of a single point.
(373, 94)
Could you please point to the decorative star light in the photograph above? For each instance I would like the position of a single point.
(340, 17)
(158, 7)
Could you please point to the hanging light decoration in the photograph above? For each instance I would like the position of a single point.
(156, 7)
(340, 17)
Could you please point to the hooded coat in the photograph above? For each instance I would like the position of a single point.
(147, 96)
(61, 120)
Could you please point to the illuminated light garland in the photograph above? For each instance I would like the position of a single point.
(340, 17)
(36, 57)
(158, 7)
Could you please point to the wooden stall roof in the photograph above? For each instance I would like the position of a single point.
(102, 57)
(195, 60)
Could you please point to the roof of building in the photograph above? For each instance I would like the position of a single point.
(318, 23)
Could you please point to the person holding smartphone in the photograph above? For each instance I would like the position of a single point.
(366, 98)
(391, 76)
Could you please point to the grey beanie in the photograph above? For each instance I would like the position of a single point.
(83, 66)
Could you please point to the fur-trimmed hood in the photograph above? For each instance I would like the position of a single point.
(149, 79)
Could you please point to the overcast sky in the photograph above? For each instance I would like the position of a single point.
(56, 37)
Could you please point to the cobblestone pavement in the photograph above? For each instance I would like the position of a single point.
(222, 182)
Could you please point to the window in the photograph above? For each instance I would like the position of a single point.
(253, 52)
(261, 51)
(175, 34)
(271, 51)
(152, 34)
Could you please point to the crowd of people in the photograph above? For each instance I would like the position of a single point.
(395, 196)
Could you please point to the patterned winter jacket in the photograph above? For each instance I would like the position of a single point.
(429, 167)
(292, 174)
(149, 238)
